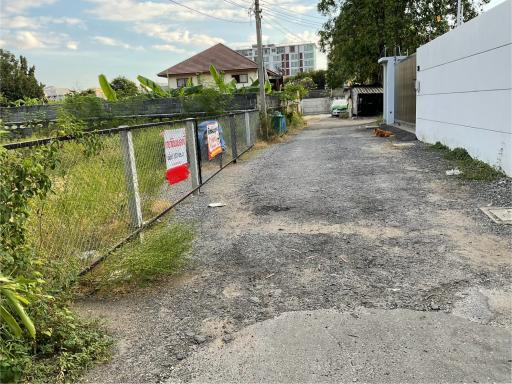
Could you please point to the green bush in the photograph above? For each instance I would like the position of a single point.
(472, 169)
(57, 345)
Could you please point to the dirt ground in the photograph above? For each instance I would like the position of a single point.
(339, 256)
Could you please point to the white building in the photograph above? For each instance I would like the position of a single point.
(285, 59)
(55, 93)
(464, 88)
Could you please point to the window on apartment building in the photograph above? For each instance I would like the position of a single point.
(294, 56)
(294, 71)
(241, 78)
(308, 63)
(280, 50)
(292, 48)
(276, 58)
(182, 82)
(294, 64)
(309, 48)
(309, 55)
(266, 51)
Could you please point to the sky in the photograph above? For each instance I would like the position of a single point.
(72, 41)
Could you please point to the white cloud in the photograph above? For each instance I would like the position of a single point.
(111, 42)
(168, 48)
(21, 6)
(29, 40)
(163, 32)
(24, 22)
(73, 45)
(305, 36)
(40, 40)
(136, 10)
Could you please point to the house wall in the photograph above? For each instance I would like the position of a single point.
(206, 79)
(464, 88)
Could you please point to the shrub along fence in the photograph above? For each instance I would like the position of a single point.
(110, 184)
(14, 117)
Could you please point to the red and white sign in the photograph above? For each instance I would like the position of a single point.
(176, 160)
(213, 135)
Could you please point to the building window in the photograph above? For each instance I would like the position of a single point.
(309, 47)
(309, 55)
(241, 78)
(292, 48)
(182, 82)
(294, 56)
(280, 50)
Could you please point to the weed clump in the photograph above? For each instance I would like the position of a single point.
(159, 253)
(472, 169)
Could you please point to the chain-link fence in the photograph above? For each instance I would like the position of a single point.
(110, 186)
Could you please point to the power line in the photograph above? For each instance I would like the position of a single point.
(293, 12)
(291, 19)
(238, 5)
(288, 19)
(208, 15)
(286, 30)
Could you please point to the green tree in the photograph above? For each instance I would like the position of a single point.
(124, 87)
(17, 79)
(317, 76)
(359, 32)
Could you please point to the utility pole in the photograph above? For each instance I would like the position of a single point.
(261, 68)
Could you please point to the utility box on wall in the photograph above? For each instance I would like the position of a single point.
(464, 88)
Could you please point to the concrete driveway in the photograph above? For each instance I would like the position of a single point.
(339, 257)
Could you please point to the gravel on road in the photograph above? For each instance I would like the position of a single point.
(336, 224)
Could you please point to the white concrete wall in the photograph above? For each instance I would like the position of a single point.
(316, 106)
(206, 79)
(464, 87)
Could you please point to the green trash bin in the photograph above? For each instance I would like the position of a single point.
(279, 123)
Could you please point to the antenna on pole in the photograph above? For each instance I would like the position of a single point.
(460, 13)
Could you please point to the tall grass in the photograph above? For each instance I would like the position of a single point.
(87, 212)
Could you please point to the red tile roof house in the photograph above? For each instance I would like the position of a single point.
(231, 63)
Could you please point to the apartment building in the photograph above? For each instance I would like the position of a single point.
(285, 59)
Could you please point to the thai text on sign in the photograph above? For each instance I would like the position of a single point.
(214, 145)
(175, 144)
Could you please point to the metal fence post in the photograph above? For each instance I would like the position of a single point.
(248, 139)
(234, 149)
(132, 183)
(193, 153)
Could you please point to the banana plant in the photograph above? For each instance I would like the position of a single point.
(254, 87)
(12, 303)
(218, 78)
(109, 93)
(151, 85)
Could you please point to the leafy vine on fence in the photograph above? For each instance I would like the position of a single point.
(35, 322)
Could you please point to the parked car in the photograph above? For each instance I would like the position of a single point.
(338, 106)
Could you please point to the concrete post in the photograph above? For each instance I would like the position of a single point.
(132, 183)
(388, 64)
(248, 139)
(193, 153)
(234, 148)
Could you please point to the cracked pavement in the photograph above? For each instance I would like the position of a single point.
(339, 257)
